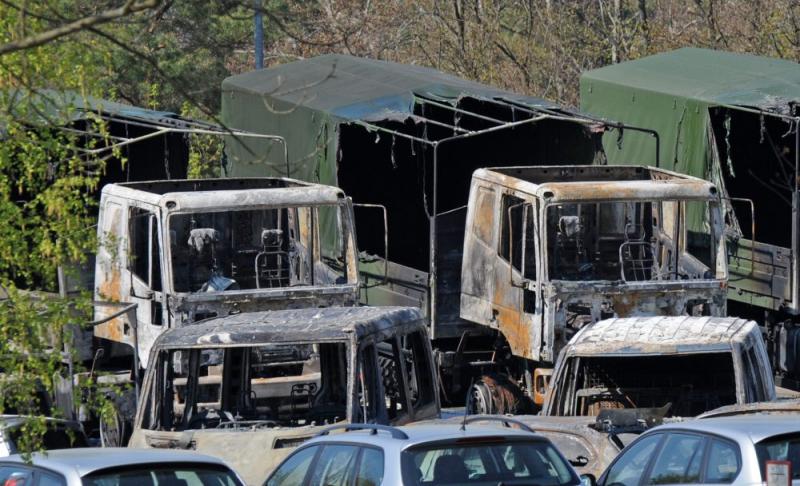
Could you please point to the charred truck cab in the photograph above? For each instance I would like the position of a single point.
(548, 250)
(188, 250)
(251, 387)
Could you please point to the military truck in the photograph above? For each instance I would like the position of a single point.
(619, 243)
(250, 387)
(550, 249)
(732, 119)
(188, 250)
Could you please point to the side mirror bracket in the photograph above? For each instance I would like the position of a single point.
(385, 214)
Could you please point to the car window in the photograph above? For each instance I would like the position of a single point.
(628, 469)
(47, 479)
(294, 468)
(496, 461)
(780, 448)
(723, 462)
(335, 466)
(16, 476)
(679, 460)
(370, 469)
(185, 474)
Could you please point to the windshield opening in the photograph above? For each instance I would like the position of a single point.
(260, 249)
(190, 474)
(653, 381)
(489, 463)
(780, 448)
(631, 241)
(259, 386)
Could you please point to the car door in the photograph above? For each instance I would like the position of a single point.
(680, 460)
(22, 475)
(631, 465)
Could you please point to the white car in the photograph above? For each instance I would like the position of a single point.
(724, 450)
(428, 455)
(116, 467)
(60, 434)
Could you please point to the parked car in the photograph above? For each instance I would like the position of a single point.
(788, 406)
(117, 467)
(60, 434)
(588, 445)
(429, 455)
(268, 381)
(723, 450)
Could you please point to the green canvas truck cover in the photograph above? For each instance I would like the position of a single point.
(304, 101)
(724, 117)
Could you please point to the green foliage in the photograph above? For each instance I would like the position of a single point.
(48, 187)
(205, 151)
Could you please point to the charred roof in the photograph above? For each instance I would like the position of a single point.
(660, 335)
(291, 326)
(213, 194)
(587, 182)
(162, 187)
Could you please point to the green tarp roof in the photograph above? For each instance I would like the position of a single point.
(715, 77)
(64, 106)
(357, 88)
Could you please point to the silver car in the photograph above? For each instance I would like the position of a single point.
(427, 454)
(116, 467)
(724, 450)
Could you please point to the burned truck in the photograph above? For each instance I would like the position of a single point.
(251, 387)
(188, 250)
(505, 270)
(731, 119)
(406, 138)
(551, 249)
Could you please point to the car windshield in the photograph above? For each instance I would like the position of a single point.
(780, 448)
(672, 381)
(630, 241)
(161, 474)
(491, 461)
(258, 248)
(250, 387)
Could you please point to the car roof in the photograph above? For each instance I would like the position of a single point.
(660, 334)
(14, 421)
(421, 434)
(289, 326)
(753, 428)
(86, 460)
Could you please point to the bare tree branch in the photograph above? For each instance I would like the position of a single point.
(130, 6)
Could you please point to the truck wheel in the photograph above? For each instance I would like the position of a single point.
(113, 431)
(496, 394)
(479, 401)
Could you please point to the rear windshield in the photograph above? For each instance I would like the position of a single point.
(160, 474)
(780, 448)
(490, 463)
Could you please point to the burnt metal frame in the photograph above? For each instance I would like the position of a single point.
(536, 114)
(163, 127)
(792, 120)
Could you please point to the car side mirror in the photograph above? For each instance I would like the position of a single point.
(147, 294)
(588, 480)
